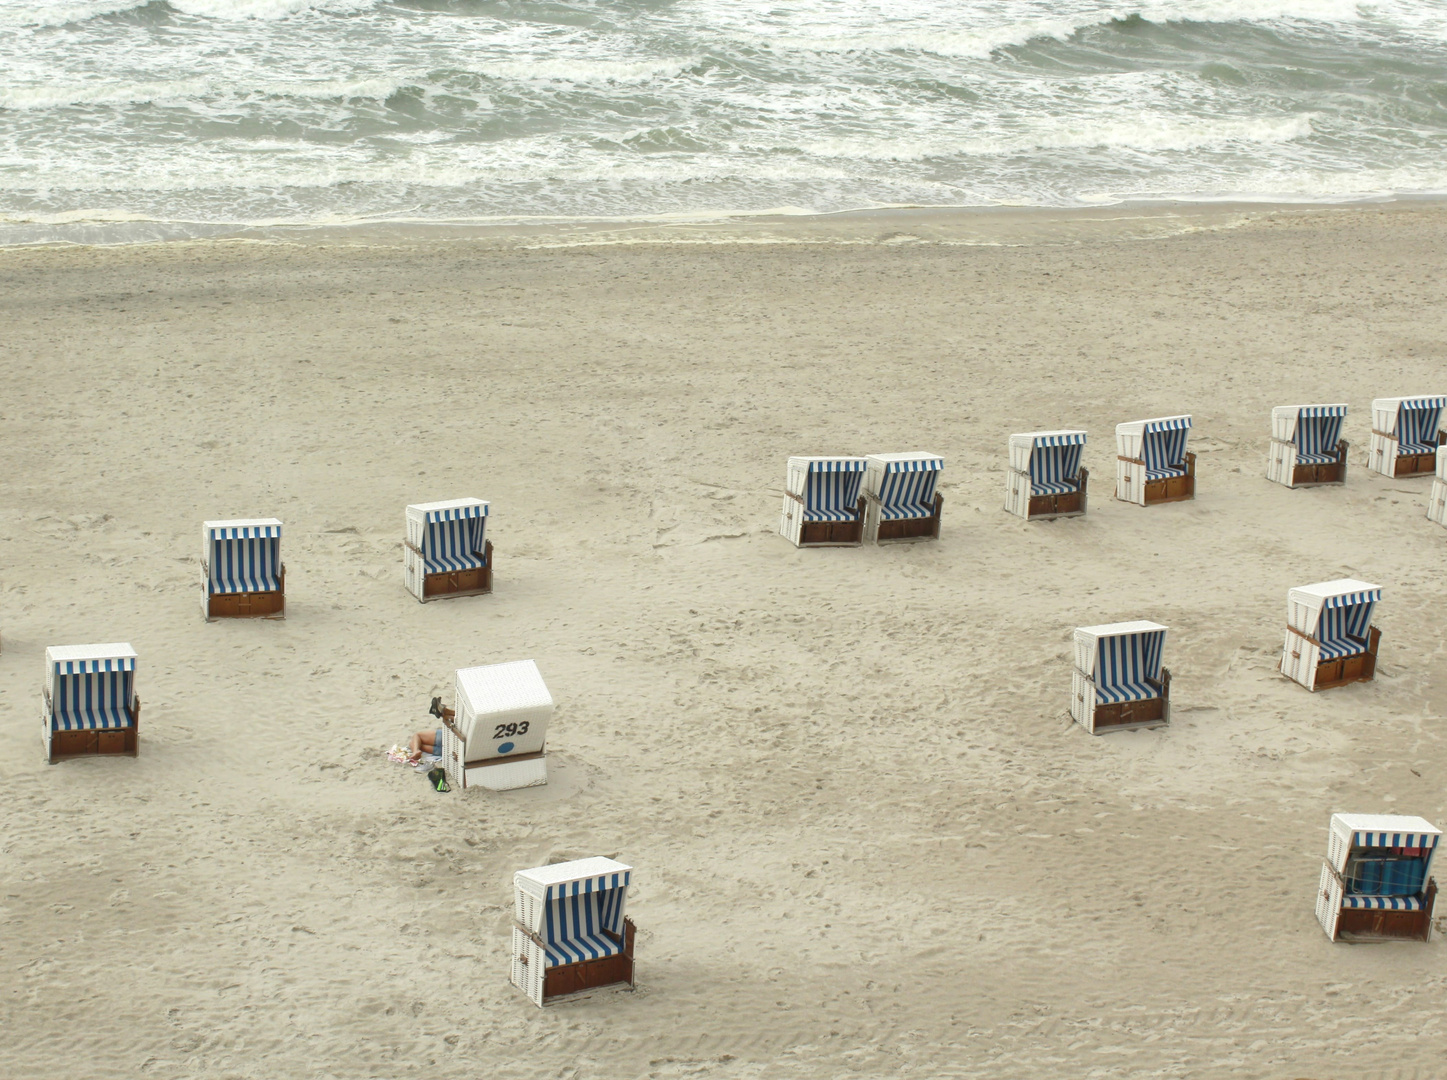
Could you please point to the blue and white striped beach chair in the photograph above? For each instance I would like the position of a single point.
(1045, 478)
(447, 551)
(1118, 681)
(242, 575)
(1152, 464)
(1377, 880)
(571, 931)
(823, 506)
(89, 705)
(1330, 639)
(1405, 435)
(1306, 445)
(900, 497)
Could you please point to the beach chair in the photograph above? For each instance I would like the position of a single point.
(1405, 435)
(242, 575)
(494, 736)
(89, 705)
(822, 504)
(1330, 639)
(1306, 445)
(900, 500)
(1377, 879)
(1152, 465)
(1437, 500)
(570, 928)
(447, 552)
(1045, 478)
(1118, 681)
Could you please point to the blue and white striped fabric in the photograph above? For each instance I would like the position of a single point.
(1394, 839)
(246, 559)
(578, 913)
(1128, 667)
(832, 491)
(1163, 447)
(456, 513)
(1318, 430)
(92, 694)
(1383, 903)
(1387, 877)
(1055, 464)
(454, 543)
(1345, 620)
(908, 489)
(1418, 420)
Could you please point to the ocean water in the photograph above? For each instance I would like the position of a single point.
(121, 119)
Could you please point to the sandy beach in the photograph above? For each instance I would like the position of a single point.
(867, 839)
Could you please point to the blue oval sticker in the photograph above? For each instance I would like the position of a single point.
(505, 748)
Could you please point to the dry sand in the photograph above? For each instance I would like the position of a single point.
(867, 839)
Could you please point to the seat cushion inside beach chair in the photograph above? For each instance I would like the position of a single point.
(901, 511)
(1416, 448)
(448, 564)
(581, 946)
(1335, 649)
(1165, 472)
(1304, 458)
(1053, 487)
(1383, 903)
(1127, 690)
(831, 515)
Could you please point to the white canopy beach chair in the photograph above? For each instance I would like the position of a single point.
(1152, 465)
(570, 930)
(1306, 445)
(242, 575)
(1377, 880)
(1330, 639)
(495, 736)
(1405, 435)
(1045, 478)
(822, 504)
(1118, 681)
(447, 552)
(1437, 500)
(89, 704)
(900, 500)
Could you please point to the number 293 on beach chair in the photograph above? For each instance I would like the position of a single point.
(1405, 435)
(1330, 639)
(447, 551)
(89, 704)
(822, 503)
(1377, 880)
(1306, 445)
(495, 737)
(1045, 478)
(570, 928)
(1118, 681)
(1151, 462)
(242, 575)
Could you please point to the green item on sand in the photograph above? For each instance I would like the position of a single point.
(438, 779)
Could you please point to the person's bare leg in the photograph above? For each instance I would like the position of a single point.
(414, 744)
(428, 742)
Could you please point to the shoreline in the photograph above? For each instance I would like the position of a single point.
(992, 225)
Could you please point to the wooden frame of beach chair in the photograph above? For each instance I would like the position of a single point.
(1045, 479)
(1376, 882)
(89, 704)
(1307, 449)
(242, 575)
(823, 506)
(900, 500)
(1330, 640)
(496, 736)
(1119, 682)
(571, 931)
(1406, 433)
(1152, 464)
(447, 553)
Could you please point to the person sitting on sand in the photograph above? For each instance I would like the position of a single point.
(425, 742)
